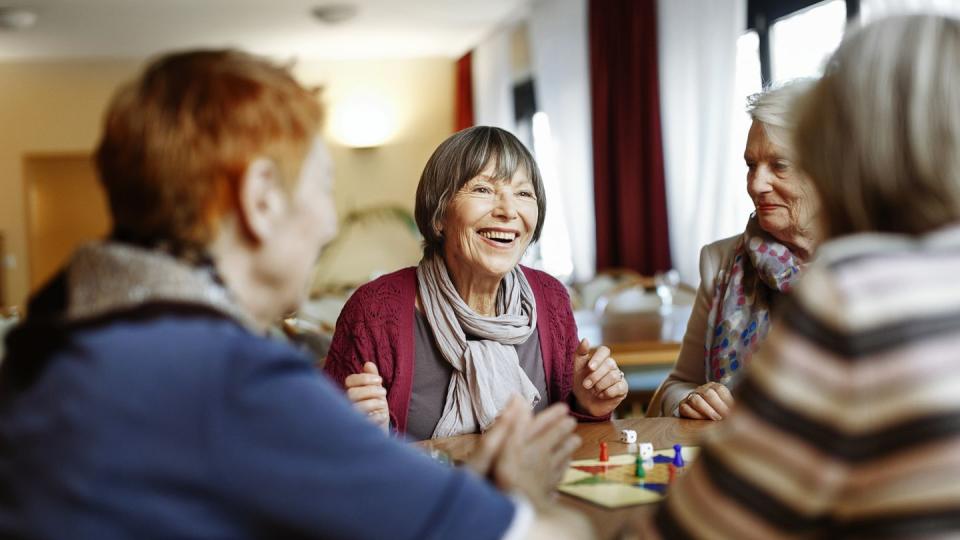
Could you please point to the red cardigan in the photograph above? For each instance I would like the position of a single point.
(377, 325)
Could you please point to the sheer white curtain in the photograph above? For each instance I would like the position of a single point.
(492, 82)
(871, 10)
(706, 190)
(559, 49)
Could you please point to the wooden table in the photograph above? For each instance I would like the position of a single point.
(662, 432)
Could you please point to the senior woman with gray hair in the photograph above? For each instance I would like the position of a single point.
(742, 278)
(848, 422)
(437, 350)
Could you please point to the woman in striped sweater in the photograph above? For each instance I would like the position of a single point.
(848, 424)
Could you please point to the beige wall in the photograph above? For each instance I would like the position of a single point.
(66, 207)
(54, 108)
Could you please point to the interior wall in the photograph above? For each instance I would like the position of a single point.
(66, 207)
(56, 108)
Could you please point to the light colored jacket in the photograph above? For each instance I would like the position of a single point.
(689, 371)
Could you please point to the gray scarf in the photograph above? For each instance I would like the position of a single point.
(103, 277)
(487, 371)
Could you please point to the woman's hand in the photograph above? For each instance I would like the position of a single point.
(598, 383)
(368, 395)
(527, 453)
(711, 401)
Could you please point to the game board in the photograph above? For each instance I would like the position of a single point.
(613, 484)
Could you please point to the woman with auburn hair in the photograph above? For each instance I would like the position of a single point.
(848, 423)
(437, 350)
(140, 399)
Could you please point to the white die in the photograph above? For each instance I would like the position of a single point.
(628, 436)
(646, 450)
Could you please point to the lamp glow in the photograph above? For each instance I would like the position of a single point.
(362, 121)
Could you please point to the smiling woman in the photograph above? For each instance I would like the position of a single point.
(439, 349)
(743, 277)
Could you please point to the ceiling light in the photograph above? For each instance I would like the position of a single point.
(334, 13)
(17, 18)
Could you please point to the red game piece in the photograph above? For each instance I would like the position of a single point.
(672, 471)
(603, 452)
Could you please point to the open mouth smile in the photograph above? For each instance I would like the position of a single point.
(499, 238)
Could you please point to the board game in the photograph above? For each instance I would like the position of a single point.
(614, 483)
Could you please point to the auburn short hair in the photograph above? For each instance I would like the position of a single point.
(178, 139)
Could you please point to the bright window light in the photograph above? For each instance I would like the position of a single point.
(555, 237)
(747, 83)
(871, 10)
(801, 43)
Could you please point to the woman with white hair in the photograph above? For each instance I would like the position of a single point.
(743, 277)
(848, 422)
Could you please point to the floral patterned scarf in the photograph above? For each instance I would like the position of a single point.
(740, 315)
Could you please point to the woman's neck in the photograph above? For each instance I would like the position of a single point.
(802, 244)
(478, 290)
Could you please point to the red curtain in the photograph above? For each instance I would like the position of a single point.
(629, 186)
(463, 99)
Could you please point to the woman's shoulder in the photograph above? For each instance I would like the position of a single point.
(389, 293)
(716, 256)
(721, 248)
(405, 278)
(547, 284)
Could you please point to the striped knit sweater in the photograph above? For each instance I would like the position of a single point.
(848, 425)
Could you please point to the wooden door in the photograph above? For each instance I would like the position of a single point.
(65, 207)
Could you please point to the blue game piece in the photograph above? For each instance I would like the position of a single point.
(678, 455)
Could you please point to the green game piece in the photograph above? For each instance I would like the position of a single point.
(641, 473)
(589, 481)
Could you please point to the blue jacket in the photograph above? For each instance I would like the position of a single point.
(174, 421)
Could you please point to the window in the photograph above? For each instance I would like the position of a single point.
(871, 10)
(796, 36)
(552, 253)
(746, 84)
(800, 43)
(554, 245)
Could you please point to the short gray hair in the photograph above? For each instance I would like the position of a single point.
(774, 109)
(458, 159)
(880, 133)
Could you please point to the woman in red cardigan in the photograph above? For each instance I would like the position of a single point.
(437, 350)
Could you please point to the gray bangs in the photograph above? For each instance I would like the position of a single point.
(460, 158)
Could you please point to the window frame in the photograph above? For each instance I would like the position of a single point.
(762, 14)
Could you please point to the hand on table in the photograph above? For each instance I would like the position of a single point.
(368, 395)
(711, 401)
(598, 384)
(527, 453)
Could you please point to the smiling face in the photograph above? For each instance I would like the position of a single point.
(489, 223)
(784, 198)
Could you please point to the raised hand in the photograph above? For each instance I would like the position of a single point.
(598, 383)
(368, 395)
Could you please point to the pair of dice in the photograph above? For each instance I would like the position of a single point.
(629, 436)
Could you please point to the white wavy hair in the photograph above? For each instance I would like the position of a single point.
(774, 109)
